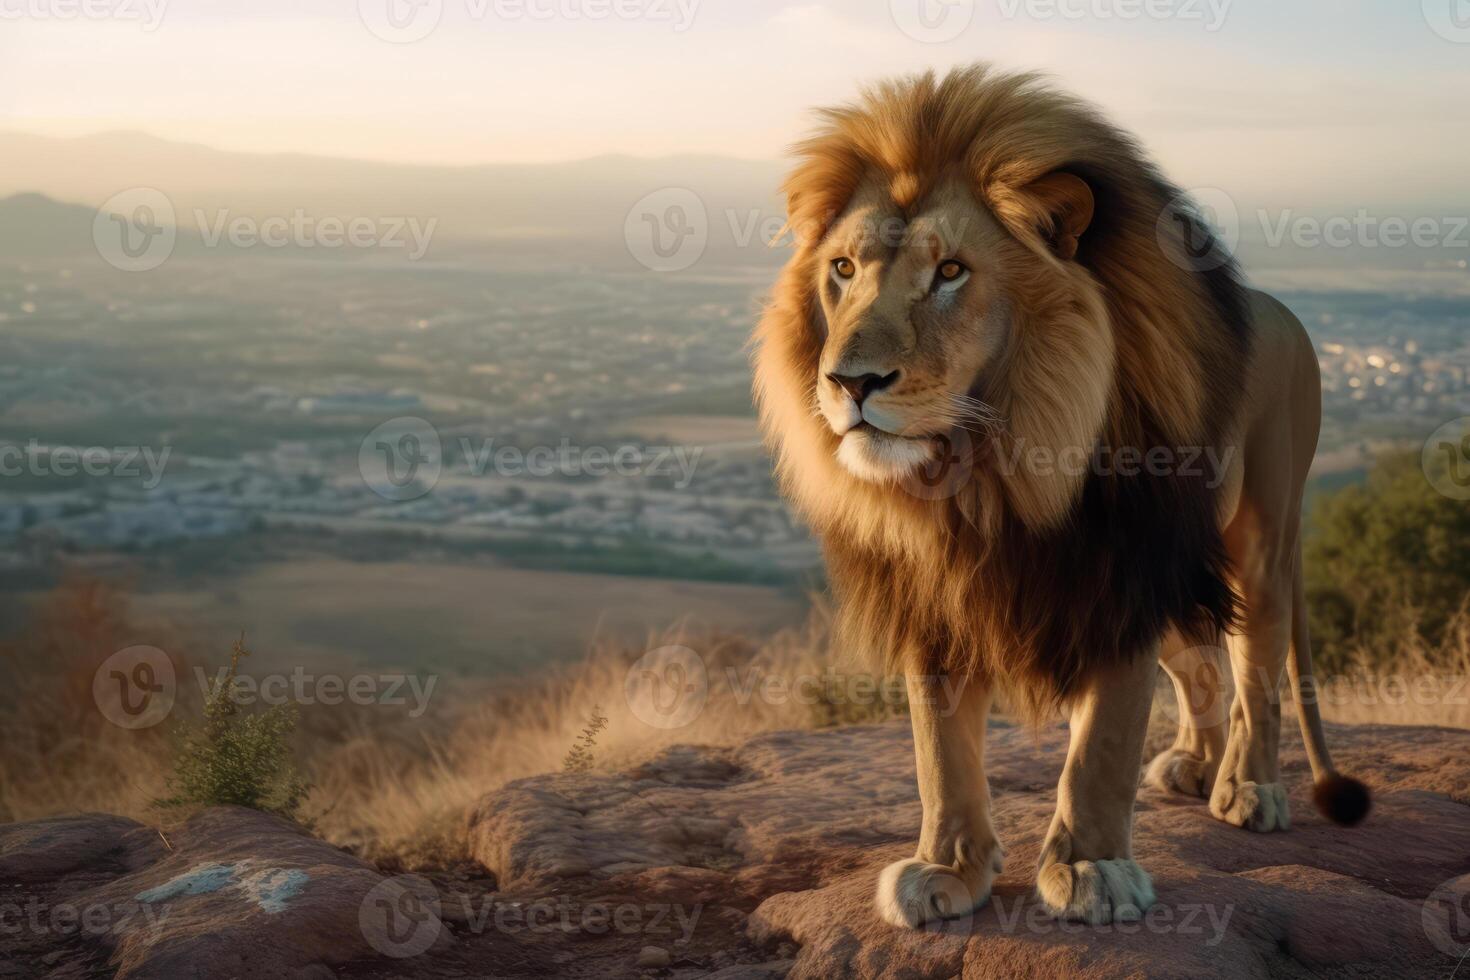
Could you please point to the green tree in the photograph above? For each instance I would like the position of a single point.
(1385, 558)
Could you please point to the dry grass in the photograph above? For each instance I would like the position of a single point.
(395, 788)
(1423, 685)
(391, 786)
(401, 790)
(1411, 683)
(58, 754)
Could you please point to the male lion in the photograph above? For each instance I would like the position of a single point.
(993, 373)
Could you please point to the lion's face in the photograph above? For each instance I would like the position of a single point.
(915, 312)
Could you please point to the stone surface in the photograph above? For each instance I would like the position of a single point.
(232, 892)
(756, 862)
(798, 825)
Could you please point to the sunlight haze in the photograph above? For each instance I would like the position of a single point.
(540, 80)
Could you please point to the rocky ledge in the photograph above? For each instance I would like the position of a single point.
(756, 861)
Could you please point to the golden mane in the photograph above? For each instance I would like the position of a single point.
(1032, 579)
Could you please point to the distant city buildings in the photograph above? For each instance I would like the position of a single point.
(264, 378)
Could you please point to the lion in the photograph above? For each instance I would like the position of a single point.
(987, 375)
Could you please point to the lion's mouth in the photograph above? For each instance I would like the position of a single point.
(878, 455)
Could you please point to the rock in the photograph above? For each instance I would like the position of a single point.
(233, 892)
(96, 844)
(797, 825)
(757, 862)
(654, 957)
(774, 970)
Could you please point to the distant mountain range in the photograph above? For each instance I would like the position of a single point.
(585, 203)
(593, 211)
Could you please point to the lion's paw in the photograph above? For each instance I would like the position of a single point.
(1177, 771)
(912, 893)
(1096, 892)
(1260, 807)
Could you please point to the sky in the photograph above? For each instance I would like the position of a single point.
(1317, 97)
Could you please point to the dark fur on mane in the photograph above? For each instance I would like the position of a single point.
(1036, 609)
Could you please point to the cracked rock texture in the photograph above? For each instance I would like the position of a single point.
(757, 861)
(797, 825)
(232, 893)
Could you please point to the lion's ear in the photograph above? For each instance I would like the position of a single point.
(1063, 206)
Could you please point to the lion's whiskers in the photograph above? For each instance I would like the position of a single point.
(972, 414)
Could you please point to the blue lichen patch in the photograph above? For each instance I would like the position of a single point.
(271, 889)
(274, 888)
(201, 880)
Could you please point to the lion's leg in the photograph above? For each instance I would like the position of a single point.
(958, 856)
(1202, 699)
(1248, 791)
(1087, 870)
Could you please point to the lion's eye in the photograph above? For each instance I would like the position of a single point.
(843, 268)
(951, 271)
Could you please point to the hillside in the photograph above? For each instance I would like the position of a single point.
(584, 200)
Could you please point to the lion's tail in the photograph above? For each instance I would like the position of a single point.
(1342, 799)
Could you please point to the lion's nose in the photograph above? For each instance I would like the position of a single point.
(860, 386)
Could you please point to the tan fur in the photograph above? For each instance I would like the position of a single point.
(1111, 347)
(1094, 311)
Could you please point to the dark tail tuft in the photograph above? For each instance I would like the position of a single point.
(1342, 799)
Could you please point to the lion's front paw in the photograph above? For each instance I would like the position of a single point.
(1096, 892)
(1260, 807)
(912, 893)
(1177, 771)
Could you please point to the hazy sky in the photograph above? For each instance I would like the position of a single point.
(1316, 96)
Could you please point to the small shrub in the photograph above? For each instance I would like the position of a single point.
(579, 758)
(237, 758)
(1386, 564)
